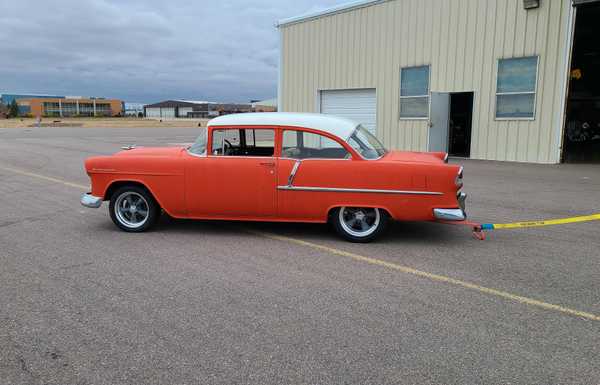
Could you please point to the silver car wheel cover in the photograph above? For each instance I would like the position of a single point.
(131, 209)
(359, 221)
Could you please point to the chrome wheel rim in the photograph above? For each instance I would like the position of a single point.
(359, 221)
(131, 209)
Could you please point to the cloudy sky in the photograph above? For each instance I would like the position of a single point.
(145, 50)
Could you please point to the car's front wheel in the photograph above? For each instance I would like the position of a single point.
(133, 209)
(359, 224)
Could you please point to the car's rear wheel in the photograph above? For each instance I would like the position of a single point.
(133, 209)
(359, 224)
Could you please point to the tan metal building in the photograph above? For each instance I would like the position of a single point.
(69, 106)
(486, 79)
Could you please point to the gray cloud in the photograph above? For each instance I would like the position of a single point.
(144, 50)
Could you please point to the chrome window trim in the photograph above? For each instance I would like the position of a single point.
(293, 173)
(203, 155)
(357, 190)
(358, 152)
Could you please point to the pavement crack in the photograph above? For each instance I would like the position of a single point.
(23, 364)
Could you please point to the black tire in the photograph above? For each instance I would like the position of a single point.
(129, 217)
(376, 220)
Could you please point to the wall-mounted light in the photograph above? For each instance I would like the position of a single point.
(531, 4)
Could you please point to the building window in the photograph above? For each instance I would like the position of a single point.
(515, 89)
(414, 92)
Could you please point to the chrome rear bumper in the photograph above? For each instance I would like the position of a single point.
(88, 200)
(453, 214)
(449, 214)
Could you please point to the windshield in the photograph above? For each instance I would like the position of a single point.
(366, 144)
(199, 146)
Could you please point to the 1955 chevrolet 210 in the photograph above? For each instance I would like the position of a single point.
(284, 167)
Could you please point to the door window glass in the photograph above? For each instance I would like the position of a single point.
(306, 145)
(243, 142)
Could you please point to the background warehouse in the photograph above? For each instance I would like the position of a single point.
(497, 79)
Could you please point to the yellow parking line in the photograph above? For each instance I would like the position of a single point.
(39, 176)
(372, 261)
(433, 277)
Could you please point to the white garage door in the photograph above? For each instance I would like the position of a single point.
(167, 113)
(358, 105)
(153, 112)
(160, 113)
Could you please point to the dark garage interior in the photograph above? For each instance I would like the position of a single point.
(582, 130)
(461, 116)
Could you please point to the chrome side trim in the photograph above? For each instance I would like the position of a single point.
(309, 159)
(449, 214)
(293, 173)
(88, 200)
(356, 190)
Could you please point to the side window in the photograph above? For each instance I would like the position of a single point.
(243, 142)
(306, 145)
(414, 92)
(516, 88)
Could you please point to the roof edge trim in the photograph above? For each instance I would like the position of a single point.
(327, 12)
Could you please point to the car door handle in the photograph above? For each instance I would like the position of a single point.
(270, 164)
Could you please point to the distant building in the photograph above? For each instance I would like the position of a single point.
(64, 106)
(8, 99)
(268, 105)
(134, 109)
(172, 109)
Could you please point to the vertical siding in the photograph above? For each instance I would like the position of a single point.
(462, 40)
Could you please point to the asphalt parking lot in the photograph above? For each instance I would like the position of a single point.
(248, 303)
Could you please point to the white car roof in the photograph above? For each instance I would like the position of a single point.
(340, 127)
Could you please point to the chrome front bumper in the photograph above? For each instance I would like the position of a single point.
(88, 200)
(453, 214)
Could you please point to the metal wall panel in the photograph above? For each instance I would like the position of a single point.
(462, 40)
(182, 112)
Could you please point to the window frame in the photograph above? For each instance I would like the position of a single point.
(428, 96)
(534, 92)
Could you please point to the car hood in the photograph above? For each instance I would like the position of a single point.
(151, 151)
(418, 157)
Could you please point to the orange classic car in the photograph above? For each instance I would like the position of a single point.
(285, 167)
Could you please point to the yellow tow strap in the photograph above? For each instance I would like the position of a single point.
(550, 222)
